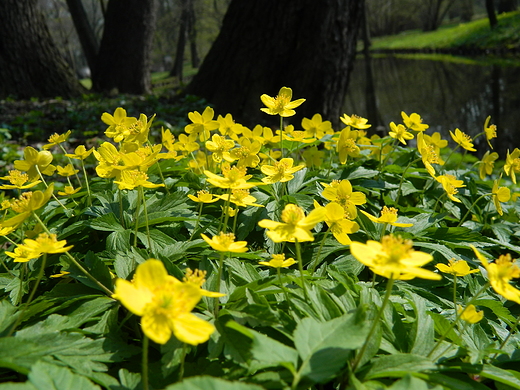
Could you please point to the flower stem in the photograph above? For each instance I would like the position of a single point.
(141, 195)
(317, 259)
(219, 276)
(375, 324)
(281, 136)
(511, 331)
(136, 217)
(402, 180)
(183, 359)
(300, 267)
(471, 208)
(144, 368)
(85, 177)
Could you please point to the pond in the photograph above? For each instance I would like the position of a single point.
(459, 93)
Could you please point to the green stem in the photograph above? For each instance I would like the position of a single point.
(300, 267)
(86, 183)
(141, 195)
(471, 208)
(219, 276)
(183, 359)
(47, 186)
(375, 324)
(281, 136)
(121, 212)
(162, 177)
(455, 292)
(457, 316)
(197, 221)
(511, 331)
(317, 259)
(402, 179)
(136, 217)
(31, 296)
(70, 162)
(144, 368)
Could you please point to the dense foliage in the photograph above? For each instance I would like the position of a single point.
(225, 257)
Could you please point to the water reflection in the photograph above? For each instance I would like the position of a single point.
(446, 94)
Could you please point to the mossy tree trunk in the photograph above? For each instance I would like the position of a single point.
(30, 63)
(266, 44)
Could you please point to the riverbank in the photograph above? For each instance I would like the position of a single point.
(475, 37)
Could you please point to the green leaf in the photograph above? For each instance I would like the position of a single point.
(500, 375)
(421, 222)
(325, 346)
(119, 240)
(107, 223)
(398, 365)
(45, 376)
(422, 334)
(410, 382)
(442, 325)
(211, 383)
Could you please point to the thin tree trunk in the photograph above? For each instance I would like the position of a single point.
(178, 63)
(490, 8)
(86, 35)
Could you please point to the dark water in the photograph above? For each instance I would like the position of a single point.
(446, 94)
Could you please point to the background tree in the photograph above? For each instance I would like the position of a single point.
(30, 63)
(490, 9)
(123, 60)
(434, 12)
(187, 32)
(266, 44)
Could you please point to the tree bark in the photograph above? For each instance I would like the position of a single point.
(123, 61)
(86, 34)
(30, 64)
(490, 8)
(178, 63)
(264, 45)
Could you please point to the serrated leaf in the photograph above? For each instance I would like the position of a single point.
(107, 222)
(45, 376)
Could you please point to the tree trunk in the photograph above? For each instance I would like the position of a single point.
(507, 6)
(267, 44)
(178, 63)
(490, 8)
(192, 36)
(86, 34)
(30, 64)
(123, 61)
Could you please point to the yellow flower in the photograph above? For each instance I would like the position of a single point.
(203, 196)
(45, 243)
(414, 121)
(346, 146)
(281, 171)
(218, 146)
(399, 132)
(164, 303)
(60, 275)
(355, 121)
(139, 130)
(27, 203)
(56, 139)
(246, 153)
(463, 140)
(500, 194)
(67, 170)
(316, 127)
(512, 165)
(23, 255)
(470, 314)
(456, 268)
(490, 131)
(133, 178)
(281, 104)
(500, 274)
(202, 124)
(486, 164)
(279, 261)
(69, 190)
(228, 127)
(225, 242)
(241, 198)
(295, 226)
(118, 124)
(388, 216)
(428, 154)
(234, 178)
(80, 153)
(338, 224)
(186, 144)
(198, 278)
(393, 258)
(4, 231)
(35, 162)
(341, 192)
(450, 185)
(17, 180)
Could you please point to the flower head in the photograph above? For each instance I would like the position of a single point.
(164, 303)
(69, 190)
(279, 261)
(17, 180)
(23, 255)
(281, 104)
(393, 258)
(225, 242)
(295, 226)
(80, 153)
(281, 171)
(400, 133)
(57, 139)
(45, 243)
(470, 314)
(450, 185)
(355, 121)
(316, 127)
(341, 192)
(346, 146)
(118, 124)
(429, 155)
(203, 196)
(67, 170)
(500, 194)
(339, 225)
(456, 268)
(500, 274)
(202, 123)
(490, 131)
(35, 162)
(463, 140)
(132, 178)
(388, 216)
(198, 278)
(512, 165)
(414, 121)
(234, 178)
(486, 164)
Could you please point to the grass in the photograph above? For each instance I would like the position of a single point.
(473, 35)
